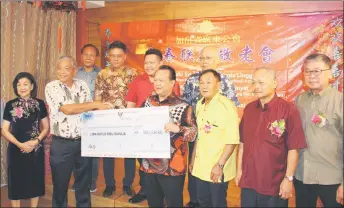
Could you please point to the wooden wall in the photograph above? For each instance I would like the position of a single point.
(165, 10)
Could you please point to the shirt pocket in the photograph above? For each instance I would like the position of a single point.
(273, 139)
(332, 121)
(274, 135)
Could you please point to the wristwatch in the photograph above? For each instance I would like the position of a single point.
(289, 178)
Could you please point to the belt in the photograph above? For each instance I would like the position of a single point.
(75, 139)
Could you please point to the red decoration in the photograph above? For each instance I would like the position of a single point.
(244, 42)
(59, 38)
(83, 5)
(39, 3)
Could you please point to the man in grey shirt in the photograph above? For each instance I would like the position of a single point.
(320, 168)
(88, 73)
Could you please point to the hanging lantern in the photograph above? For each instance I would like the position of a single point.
(83, 5)
(39, 4)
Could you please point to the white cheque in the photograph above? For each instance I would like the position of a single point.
(127, 133)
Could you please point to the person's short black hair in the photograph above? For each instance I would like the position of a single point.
(173, 75)
(118, 44)
(214, 72)
(92, 46)
(321, 57)
(28, 76)
(154, 51)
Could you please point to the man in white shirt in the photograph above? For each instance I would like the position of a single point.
(67, 99)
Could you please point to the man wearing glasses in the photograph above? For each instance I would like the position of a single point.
(209, 59)
(320, 167)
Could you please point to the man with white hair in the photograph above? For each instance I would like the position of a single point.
(68, 98)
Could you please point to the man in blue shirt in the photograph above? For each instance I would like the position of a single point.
(209, 59)
(88, 73)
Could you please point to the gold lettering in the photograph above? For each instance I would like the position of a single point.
(236, 38)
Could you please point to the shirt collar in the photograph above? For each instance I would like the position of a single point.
(322, 93)
(267, 105)
(145, 76)
(22, 99)
(216, 97)
(74, 83)
(96, 69)
(169, 98)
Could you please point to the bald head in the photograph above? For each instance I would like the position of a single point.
(267, 73)
(264, 83)
(209, 57)
(213, 50)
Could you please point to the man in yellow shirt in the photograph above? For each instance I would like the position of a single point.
(213, 161)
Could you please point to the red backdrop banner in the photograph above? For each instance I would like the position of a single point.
(280, 41)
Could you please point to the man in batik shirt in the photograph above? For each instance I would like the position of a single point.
(140, 89)
(165, 177)
(112, 87)
(209, 59)
(67, 99)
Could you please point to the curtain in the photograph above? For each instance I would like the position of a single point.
(31, 40)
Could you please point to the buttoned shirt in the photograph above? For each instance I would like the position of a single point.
(58, 94)
(322, 162)
(112, 87)
(218, 126)
(192, 95)
(141, 88)
(180, 113)
(88, 77)
(265, 152)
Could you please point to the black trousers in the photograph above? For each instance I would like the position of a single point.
(109, 168)
(160, 187)
(307, 194)
(192, 179)
(94, 174)
(64, 156)
(250, 198)
(211, 194)
(142, 179)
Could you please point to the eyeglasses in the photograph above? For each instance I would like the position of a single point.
(315, 72)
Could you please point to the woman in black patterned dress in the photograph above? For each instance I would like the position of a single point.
(21, 127)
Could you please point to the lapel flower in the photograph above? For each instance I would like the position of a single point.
(319, 119)
(207, 128)
(277, 127)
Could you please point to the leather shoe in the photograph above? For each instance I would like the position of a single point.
(137, 198)
(108, 191)
(128, 190)
(192, 204)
